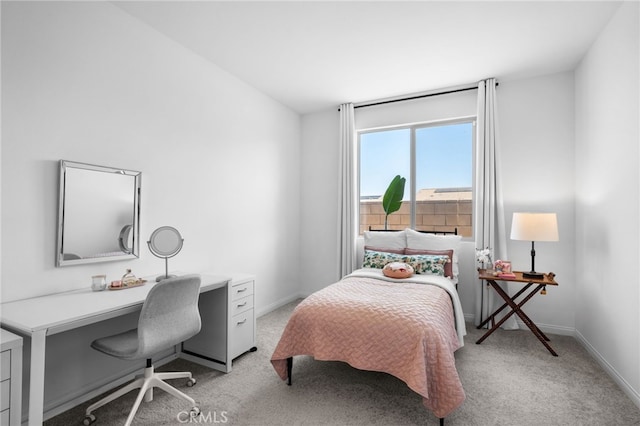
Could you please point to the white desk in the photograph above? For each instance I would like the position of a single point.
(40, 317)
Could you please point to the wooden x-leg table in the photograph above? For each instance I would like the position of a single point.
(516, 308)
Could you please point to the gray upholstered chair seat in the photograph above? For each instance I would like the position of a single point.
(123, 345)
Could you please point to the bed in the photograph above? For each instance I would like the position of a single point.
(407, 327)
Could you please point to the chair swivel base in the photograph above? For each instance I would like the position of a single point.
(145, 383)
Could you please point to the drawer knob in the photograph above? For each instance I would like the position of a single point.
(242, 304)
(242, 322)
(242, 289)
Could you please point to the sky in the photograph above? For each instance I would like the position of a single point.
(443, 158)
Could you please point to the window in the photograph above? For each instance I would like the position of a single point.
(437, 161)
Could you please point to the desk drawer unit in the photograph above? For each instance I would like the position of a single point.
(10, 379)
(243, 320)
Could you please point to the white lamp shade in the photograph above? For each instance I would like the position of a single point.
(534, 227)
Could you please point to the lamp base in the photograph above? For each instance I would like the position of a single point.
(533, 274)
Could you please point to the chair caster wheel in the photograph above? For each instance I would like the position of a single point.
(191, 382)
(89, 419)
(195, 411)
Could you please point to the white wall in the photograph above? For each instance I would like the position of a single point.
(84, 81)
(319, 201)
(431, 108)
(608, 192)
(537, 144)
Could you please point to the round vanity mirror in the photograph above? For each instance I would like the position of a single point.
(125, 240)
(165, 242)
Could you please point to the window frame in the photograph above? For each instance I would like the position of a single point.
(413, 127)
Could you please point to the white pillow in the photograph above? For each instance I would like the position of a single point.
(419, 240)
(393, 240)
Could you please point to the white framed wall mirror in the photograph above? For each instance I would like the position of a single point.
(98, 214)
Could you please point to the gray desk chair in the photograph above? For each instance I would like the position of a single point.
(169, 316)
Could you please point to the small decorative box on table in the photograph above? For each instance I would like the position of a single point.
(516, 277)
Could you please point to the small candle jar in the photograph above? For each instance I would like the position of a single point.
(98, 282)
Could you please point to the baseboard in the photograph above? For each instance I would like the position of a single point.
(546, 328)
(620, 381)
(278, 304)
(551, 329)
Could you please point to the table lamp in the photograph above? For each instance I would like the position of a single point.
(534, 227)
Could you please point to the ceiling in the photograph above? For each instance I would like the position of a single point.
(312, 56)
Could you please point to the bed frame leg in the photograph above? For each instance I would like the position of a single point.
(289, 368)
(441, 421)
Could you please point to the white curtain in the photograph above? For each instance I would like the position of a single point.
(347, 208)
(489, 215)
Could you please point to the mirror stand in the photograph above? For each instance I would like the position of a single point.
(166, 271)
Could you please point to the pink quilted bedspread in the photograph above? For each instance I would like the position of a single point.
(404, 329)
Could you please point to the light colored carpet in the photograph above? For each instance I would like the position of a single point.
(510, 379)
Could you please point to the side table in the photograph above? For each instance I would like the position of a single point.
(516, 308)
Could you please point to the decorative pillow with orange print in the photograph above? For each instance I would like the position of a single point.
(397, 270)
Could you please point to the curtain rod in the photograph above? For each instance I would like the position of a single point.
(425, 95)
(410, 98)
